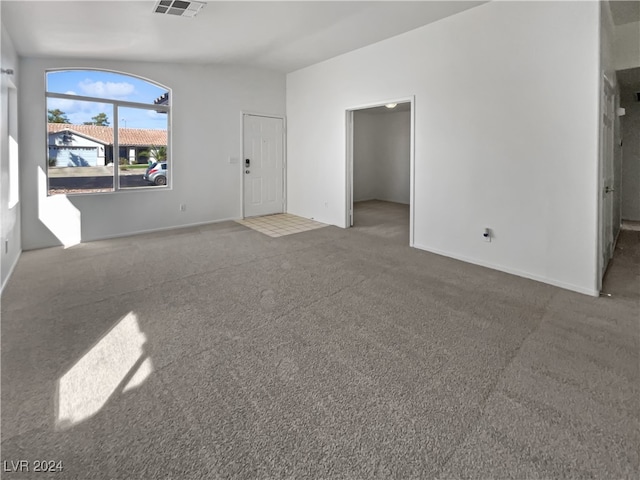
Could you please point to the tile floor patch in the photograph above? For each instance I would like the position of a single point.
(280, 224)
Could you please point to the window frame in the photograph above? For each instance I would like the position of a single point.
(116, 144)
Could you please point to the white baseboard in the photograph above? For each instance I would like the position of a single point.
(11, 269)
(399, 202)
(379, 199)
(162, 229)
(630, 225)
(513, 271)
(141, 232)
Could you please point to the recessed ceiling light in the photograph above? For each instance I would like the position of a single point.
(391, 105)
(179, 8)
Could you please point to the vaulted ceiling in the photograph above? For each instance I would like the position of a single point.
(283, 36)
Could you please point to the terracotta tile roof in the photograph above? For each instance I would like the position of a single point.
(126, 136)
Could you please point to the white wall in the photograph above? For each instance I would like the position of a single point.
(627, 46)
(365, 173)
(630, 157)
(506, 120)
(9, 192)
(206, 132)
(381, 158)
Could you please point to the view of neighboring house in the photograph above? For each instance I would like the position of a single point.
(92, 145)
(162, 100)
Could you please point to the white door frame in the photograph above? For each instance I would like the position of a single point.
(284, 156)
(349, 160)
(606, 84)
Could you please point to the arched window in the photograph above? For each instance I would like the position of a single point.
(106, 131)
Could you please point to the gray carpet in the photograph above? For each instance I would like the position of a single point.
(337, 354)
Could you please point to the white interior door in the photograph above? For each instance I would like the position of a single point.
(263, 165)
(607, 176)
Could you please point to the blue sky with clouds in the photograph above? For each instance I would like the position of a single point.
(115, 86)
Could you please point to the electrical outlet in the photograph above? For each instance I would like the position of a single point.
(183, 207)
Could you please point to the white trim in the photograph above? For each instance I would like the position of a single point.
(284, 156)
(96, 69)
(11, 269)
(261, 114)
(511, 271)
(116, 149)
(606, 87)
(349, 160)
(115, 104)
(630, 227)
(600, 185)
(412, 189)
(241, 162)
(348, 221)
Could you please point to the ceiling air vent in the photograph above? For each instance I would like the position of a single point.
(179, 8)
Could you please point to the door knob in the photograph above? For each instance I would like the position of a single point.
(247, 162)
(608, 189)
(246, 171)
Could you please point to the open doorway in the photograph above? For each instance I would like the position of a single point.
(380, 169)
(628, 158)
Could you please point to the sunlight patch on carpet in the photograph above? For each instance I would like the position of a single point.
(88, 385)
